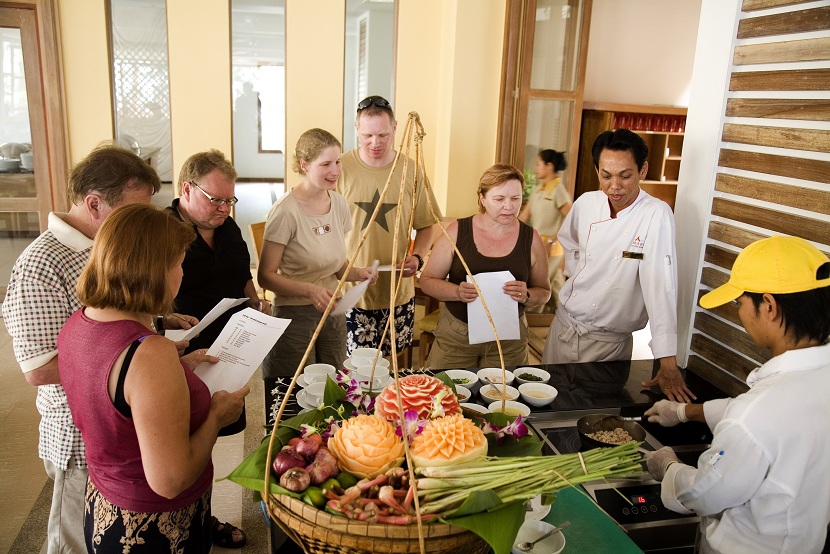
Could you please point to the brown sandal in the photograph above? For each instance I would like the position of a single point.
(223, 534)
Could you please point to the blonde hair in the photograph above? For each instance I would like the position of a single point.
(494, 176)
(310, 145)
(133, 252)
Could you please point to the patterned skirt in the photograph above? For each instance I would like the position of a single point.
(110, 529)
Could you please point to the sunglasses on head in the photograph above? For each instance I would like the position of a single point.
(378, 101)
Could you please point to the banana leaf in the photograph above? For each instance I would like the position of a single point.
(498, 525)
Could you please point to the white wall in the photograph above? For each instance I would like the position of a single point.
(642, 51)
(709, 88)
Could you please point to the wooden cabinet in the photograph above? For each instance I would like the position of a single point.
(661, 127)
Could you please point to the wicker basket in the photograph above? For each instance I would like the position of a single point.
(319, 532)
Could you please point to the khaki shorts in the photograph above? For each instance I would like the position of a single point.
(452, 348)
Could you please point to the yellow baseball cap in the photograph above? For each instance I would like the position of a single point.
(777, 265)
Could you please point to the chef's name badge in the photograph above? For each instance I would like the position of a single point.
(632, 255)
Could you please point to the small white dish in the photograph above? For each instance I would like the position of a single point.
(511, 408)
(537, 511)
(491, 393)
(543, 376)
(532, 530)
(357, 361)
(537, 394)
(495, 375)
(477, 408)
(462, 393)
(348, 364)
(464, 378)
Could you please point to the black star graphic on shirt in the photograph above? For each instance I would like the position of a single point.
(369, 208)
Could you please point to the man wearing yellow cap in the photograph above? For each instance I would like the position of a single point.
(764, 485)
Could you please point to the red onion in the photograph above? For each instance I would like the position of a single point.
(286, 459)
(308, 446)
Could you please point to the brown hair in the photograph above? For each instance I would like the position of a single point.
(133, 251)
(310, 145)
(110, 170)
(494, 176)
(200, 164)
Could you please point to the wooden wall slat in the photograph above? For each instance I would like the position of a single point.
(775, 108)
(778, 222)
(722, 357)
(796, 197)
(751, 5)
(718, 256)
(784, 166)
(812, 140)
(737, 339)
(795, 79)
(782, 52)
(730, 234)
(713, 278)
(724, 381)
(814, 19)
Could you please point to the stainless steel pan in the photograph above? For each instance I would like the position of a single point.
(602, 422)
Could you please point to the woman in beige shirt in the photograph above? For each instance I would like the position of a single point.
(545, 211)
(303, 258)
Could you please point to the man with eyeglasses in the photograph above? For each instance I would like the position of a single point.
(365, 172)
(216, 266)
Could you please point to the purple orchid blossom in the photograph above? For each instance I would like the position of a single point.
(414, 426)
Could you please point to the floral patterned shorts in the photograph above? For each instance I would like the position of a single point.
(365, 327)
(110, 529)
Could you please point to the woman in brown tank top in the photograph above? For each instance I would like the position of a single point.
(491, 240)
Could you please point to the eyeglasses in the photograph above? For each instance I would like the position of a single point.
(378, 101)
(216, 201)
(735, 303)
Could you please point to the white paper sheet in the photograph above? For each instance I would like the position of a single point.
(221, 307)
(353, 295)
(241, 347)
(505, 310)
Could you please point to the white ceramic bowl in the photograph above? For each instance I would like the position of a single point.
(511, 408)
(494, 374)
(532, 530)
(537, 394)
(318, 372)
(543, 376)
(491, 393)
(464, 378)
(462, 393)
(477, 408)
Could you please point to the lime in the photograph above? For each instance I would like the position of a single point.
(346, 479)
(313, 496)
(329, 483)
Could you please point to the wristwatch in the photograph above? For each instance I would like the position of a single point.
(420, 261)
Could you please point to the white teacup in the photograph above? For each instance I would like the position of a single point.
(314, 393)
(365, 353)
(364, 372)
(315, 373)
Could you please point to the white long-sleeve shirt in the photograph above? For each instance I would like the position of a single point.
(764, 485)
(622, 271)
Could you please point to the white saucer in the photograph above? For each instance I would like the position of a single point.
(538, 511)
(302, 400)
(301, 381)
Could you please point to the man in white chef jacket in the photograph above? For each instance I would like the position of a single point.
(763, 485)
(621, 266)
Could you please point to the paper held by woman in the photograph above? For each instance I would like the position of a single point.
(505, 310)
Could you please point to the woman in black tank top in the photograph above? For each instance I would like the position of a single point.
(490, 241)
